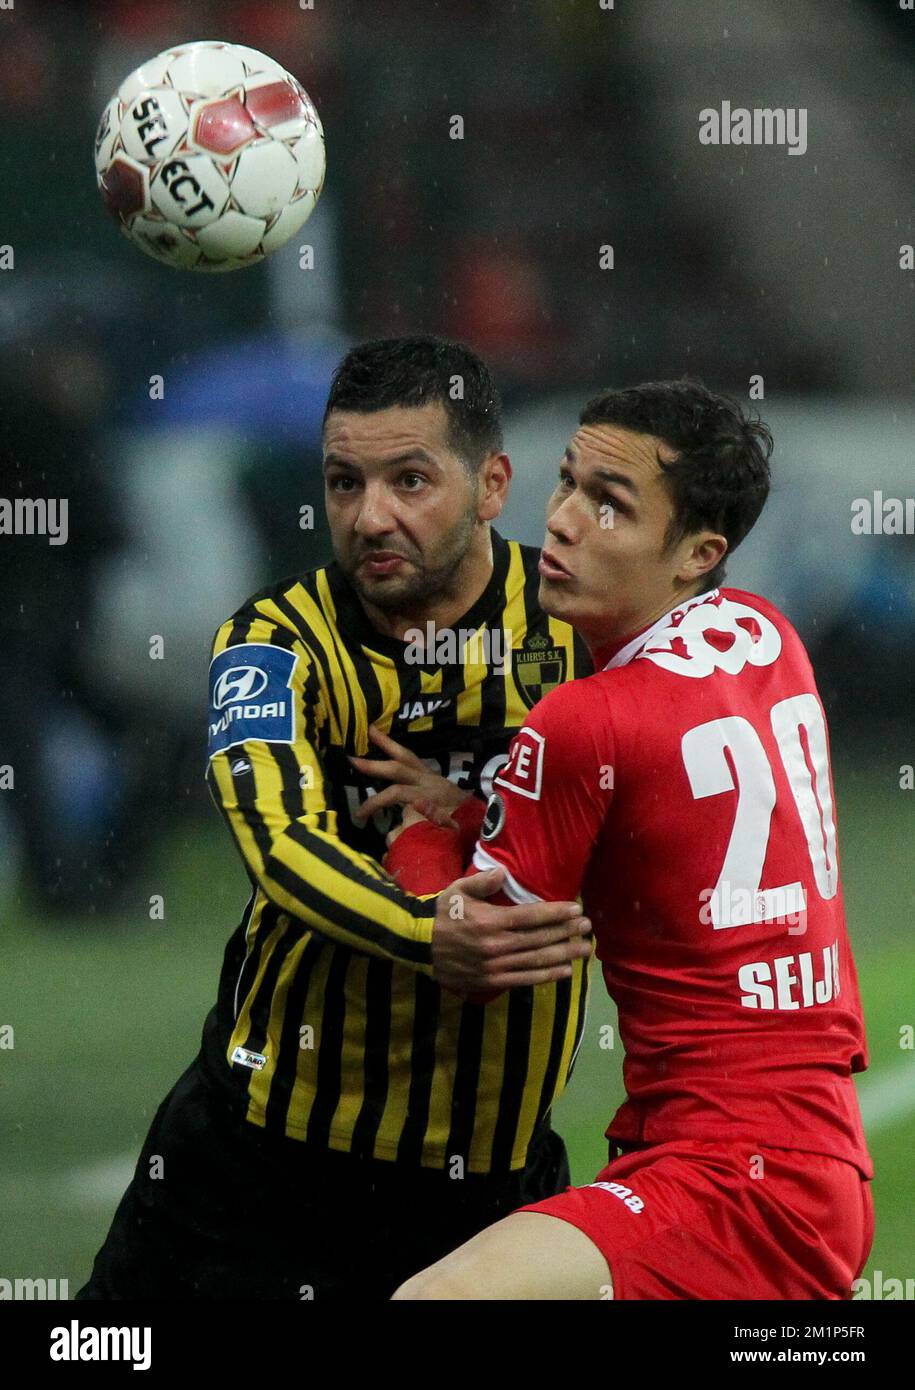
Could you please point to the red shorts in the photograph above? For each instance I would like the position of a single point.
(709, 1221)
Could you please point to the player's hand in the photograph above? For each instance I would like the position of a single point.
(482, 948)
(411, 782)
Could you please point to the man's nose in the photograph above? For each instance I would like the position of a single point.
(374, 518)
(561, 521)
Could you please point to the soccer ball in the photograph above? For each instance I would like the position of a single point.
(210, 156)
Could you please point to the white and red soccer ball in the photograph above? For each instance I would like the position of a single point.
(210, 156)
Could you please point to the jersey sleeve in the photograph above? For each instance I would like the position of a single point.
(425, 858)
(550, 799)
(267, 716)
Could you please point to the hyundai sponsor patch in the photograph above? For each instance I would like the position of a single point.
(251, 696)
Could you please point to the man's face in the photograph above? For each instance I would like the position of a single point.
(606, 525)
(401, 505)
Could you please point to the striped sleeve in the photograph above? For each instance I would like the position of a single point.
(268, 707)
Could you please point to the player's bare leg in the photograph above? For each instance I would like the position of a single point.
(528, 1255)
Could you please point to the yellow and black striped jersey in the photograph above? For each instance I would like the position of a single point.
(328, 1023)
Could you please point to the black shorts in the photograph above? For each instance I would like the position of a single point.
(237, 1213)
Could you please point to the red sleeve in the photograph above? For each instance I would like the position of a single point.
(425, 854)
(469, 816)
(426, 858)
(551, 798)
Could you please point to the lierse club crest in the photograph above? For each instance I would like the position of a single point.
(538, 667)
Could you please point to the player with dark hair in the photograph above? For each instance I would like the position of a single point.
(419, 371)
(351, 1116)
(685, 791)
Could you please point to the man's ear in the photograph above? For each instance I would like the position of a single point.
(495, 480)
(703, 552)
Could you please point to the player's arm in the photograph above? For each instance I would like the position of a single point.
(543, 819)
(547, 806)
(550, 800)
(268, 716)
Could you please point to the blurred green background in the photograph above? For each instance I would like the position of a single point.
(107, 1014)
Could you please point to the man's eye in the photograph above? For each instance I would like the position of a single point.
(564, 477)
(405, 478)
(620, 508)
(337, 484)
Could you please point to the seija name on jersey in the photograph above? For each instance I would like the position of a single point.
(790, 972)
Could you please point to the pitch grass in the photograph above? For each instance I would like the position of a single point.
(107, 1013)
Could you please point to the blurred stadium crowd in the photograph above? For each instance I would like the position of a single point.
(577, 134)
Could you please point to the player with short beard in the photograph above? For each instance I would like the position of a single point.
(357, 1109)
(406, 582)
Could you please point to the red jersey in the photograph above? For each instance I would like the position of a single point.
(684, 792)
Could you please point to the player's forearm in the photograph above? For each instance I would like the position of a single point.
(345, 895)
(326, 887)
(425, 858)
(303, 867)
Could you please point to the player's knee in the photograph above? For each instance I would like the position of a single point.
(431, 1284)
(410, 1290)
